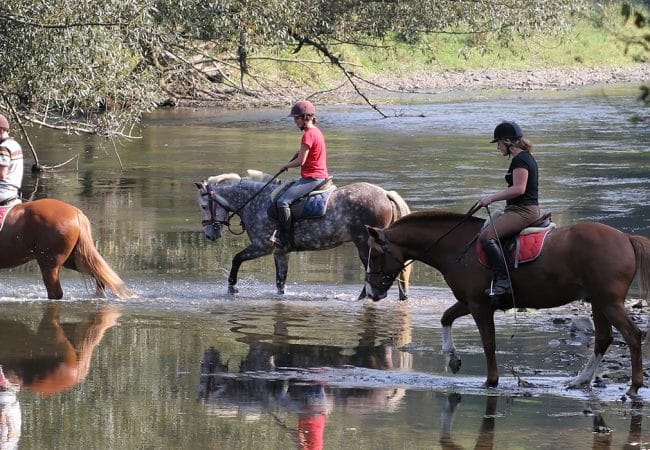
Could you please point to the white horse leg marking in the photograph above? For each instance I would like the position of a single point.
(449, 350)
(447, 416)
(587, 373)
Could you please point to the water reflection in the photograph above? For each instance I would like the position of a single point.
(268, 380)
(51, 359)
(485, 438)
(487, 434)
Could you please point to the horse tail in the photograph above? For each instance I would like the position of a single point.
(402, 207)
(88, 261)
(402, 210)
(641, 245)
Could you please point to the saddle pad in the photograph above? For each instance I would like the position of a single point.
(311, 207)
(315, 205)
(4, 210)
(526, 248)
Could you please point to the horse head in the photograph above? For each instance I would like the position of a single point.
(385, 262)
(214, 210)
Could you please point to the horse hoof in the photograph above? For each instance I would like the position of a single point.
(233, 290)
(490, 384)
(280, 291)
(454, 364)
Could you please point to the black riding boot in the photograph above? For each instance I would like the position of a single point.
(501, 283)
(284, 228)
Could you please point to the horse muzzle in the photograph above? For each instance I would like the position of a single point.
(212, 231)
(374, 293)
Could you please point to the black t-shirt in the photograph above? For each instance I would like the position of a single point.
(526, 161)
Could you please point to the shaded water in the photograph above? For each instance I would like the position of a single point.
(317, 364)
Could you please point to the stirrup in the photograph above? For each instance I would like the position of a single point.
(272, 238)
(501, 290)
(275, 240)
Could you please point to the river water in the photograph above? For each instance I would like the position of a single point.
(185, 365)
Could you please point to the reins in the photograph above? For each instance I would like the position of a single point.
(467, 215)
(505, 262)
(238, 210)
(234, 213)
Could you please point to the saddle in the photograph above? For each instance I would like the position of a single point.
(311, 206)
(525, 246)
(4, 211)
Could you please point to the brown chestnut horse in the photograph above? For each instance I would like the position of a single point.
(56, 235)
(588, 261)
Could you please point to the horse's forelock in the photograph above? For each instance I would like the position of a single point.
(223, 177)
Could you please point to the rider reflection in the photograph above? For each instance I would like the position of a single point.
(295, 395)
(312, 405)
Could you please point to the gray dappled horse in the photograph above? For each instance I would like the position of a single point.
(349, 209)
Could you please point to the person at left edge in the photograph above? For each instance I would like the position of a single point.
(312, 160)
(11, 166)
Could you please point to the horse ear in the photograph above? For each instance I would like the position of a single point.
(375, 243)
(199, 186)
(373, 232)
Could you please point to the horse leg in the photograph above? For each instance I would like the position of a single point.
(484, 317)
(281, 270)
(250, 252)
(603, 332)
(403, 282)
(100, 288)
(52, 280)
(617, 316)
(448, 348)
(447, 416)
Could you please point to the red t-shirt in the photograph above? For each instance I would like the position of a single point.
(315, 165)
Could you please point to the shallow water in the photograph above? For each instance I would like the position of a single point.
(316, 364)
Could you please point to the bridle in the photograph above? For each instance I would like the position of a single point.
(213, 206)
(388, 278)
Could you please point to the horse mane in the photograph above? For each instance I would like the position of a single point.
(252, 175)
(223, 177)
(434, 215)
(258, 175)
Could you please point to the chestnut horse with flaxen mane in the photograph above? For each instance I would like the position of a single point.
(589, 261)
(56, 235)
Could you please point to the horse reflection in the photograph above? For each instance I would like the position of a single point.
(602, 434)
(250, 392)
(56, 356)
(485, 438)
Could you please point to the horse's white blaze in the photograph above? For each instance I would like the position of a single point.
(587, 373)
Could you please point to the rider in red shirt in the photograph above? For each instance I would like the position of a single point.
(312, 160)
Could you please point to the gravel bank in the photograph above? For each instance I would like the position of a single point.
(439, 84)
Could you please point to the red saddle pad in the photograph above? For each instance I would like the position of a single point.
(527, 247)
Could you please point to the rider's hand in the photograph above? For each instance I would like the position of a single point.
(485, 201)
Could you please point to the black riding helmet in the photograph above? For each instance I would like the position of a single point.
(507, 130)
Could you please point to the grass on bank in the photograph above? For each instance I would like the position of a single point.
(589, 42)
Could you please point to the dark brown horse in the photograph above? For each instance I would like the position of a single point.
(56, 235)
(588, 261)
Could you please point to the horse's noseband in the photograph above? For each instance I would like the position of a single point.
(387, 278)
(213, 205)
